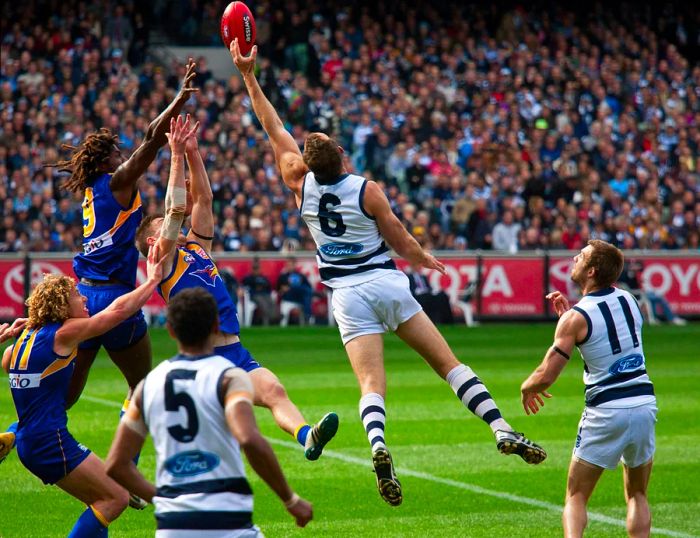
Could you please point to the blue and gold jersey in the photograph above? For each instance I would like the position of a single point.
(109, 230)
(193, 268)
(39, 379)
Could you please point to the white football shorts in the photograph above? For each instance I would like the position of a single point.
(372, 307)
(608, 435)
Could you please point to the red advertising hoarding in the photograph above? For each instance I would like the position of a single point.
(509, 286)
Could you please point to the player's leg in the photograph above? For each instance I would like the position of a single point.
(582, 479)
(83, 362)
(423, 336)
(134, 362)
(638, 514)
(366, 354)
(270, 393)
(106, 499)
(637, 459)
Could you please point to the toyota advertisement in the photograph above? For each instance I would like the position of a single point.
(508, 287)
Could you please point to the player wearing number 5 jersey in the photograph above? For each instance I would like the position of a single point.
(618, 422)
(353, 226)
(198, 408)
(40, 365)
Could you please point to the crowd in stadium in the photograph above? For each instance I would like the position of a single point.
(511, 130)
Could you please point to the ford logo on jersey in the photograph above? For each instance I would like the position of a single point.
(631, 362)
(191, 463)
(341, 249)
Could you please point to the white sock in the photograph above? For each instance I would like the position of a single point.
(373, 415)
(475, 397)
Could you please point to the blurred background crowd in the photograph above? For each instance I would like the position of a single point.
(492, 126)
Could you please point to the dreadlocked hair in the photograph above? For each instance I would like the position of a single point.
(49, 300)
(87, 160)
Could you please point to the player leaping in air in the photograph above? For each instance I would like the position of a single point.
(350, 220)
(106, 268)
(189, 265)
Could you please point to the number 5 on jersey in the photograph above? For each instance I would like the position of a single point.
(175, 400)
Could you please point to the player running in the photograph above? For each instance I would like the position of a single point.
(618, 422)
(351, 222)
(198, 408)
(106, 268)
(40, 365)
(189, 265)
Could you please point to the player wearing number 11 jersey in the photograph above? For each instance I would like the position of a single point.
(618, 422)
(353, 226)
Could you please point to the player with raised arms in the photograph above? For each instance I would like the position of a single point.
(197, 406)
(189, 265)
(40, 365)
(351, 222)
(619, 420)
(111, 213)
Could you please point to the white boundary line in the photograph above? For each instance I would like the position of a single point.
(601, 518)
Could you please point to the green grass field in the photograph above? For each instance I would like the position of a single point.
(455, 482)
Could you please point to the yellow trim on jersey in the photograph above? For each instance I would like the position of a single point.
(24, 361)
(180, 267)
(16, 348)
(58, 364)
(124, 214)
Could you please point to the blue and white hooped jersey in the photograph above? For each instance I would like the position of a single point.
(109, 230)
(614, 364)
(39, 379)
(200, 476)
(350, 248)
(193, 268)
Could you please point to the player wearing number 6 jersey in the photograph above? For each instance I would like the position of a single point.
(618, 422)
(353, 226)
(198, 408)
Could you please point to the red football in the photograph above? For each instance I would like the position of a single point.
(237, 21)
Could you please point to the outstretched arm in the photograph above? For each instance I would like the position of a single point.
(202, 220)
(176, 193)
(394, 233)
(75, 330)
(287, 152)
(236, 391)
(571, 328)
(128, 441)
(125, 177)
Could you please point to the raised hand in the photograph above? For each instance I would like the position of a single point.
(245, 64)
(560, 304)
(187, 88)
(180, 132)
(8, 331)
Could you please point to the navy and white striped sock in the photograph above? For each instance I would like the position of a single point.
(474, 395)
(373, 417)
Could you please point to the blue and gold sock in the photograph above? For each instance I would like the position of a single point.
(91, 524)
(302, 433)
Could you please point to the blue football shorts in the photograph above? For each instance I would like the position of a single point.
(127, 333)
(238, 355)
(50, 454)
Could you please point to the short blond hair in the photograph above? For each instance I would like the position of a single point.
(49, 301)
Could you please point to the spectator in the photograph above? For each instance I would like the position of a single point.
(260, 292)
(657, 304)
(505, 233)
(436, 304)
(294, 287)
